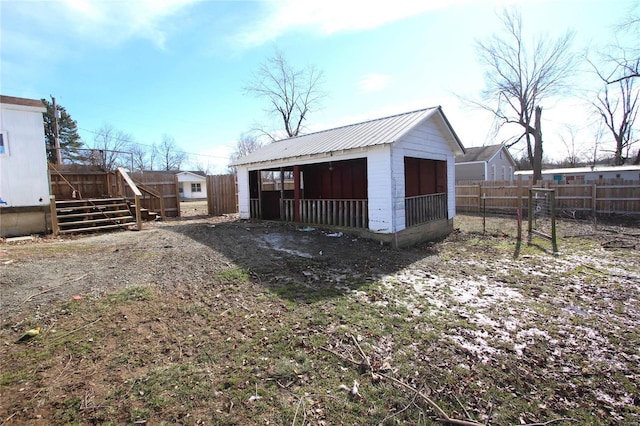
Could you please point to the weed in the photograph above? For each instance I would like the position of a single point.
(237, 275)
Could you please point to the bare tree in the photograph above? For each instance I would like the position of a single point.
(518, 78)
(143, 156)
(626, 59)
(619, 110)
(291, 93)
(170, 156)
(569, 140)
(111, 148)
(247, 143)
(198, 165)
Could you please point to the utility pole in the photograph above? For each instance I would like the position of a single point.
(56, 115)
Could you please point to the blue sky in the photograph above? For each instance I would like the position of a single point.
(178, 67)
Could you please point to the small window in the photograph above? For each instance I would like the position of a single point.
(195, 187)
(180, 188)
(4, 144)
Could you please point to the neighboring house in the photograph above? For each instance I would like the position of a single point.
(24, 178)
(392, 179)
(586, 174)
(192, 185)
(493, 162)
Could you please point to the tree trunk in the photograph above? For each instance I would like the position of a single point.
(637, 161)
(529, 148)
(537, 148)
(618, 160)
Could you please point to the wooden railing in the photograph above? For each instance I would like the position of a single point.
(425, 208)
(347, 213)
(123, 177)
(153, 195)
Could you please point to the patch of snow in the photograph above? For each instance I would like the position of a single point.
(478, 345)
(277, 241)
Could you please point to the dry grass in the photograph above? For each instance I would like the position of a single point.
(225, 323)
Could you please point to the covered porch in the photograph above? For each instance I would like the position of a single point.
(336, 193)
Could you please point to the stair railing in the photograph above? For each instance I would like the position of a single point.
(153, 194)
(122, 173)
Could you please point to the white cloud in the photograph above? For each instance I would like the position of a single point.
(113, 22)
(373, 82)
(332, 16)
(98, 21)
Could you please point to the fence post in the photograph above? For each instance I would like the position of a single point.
(594, 199)
(479, 197)
(530, 217)
(54, 215)
(138, 215)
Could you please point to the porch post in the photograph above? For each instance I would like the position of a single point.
(282, 193)
(296, 193)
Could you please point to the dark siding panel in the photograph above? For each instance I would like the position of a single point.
(411, 177)
(424, 177)
(442, 176)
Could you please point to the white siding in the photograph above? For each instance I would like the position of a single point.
(471, 171)
(24, 179)
(451, 186)
(243, 192)
(380, 188)
(502, 166)
(427, 141)
(186, 179)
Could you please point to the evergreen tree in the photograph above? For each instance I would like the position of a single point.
(70, 140)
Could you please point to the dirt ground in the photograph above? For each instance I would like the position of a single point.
(178, 252)
(480, 291)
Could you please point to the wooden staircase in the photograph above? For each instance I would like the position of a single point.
(91, 215)
(145, 214)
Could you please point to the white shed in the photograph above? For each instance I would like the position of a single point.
(192, 185)
(24, 178)
(392, 179)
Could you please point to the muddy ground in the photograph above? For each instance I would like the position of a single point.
(490, 303)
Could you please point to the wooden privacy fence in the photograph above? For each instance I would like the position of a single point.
(606, 197)
(222, 196)
(157, 184)
(86, 181)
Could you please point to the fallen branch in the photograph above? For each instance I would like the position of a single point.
(51, 288)
(563, 419)
(442, 416)
(77, 329)
(38, 294)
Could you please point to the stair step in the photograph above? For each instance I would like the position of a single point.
(90, 207)
(91, 229)
(108, 213)
(125, 219)
(89, 201)
(96, 214)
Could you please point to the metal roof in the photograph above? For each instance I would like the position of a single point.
(369, 133)
(478, 153)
